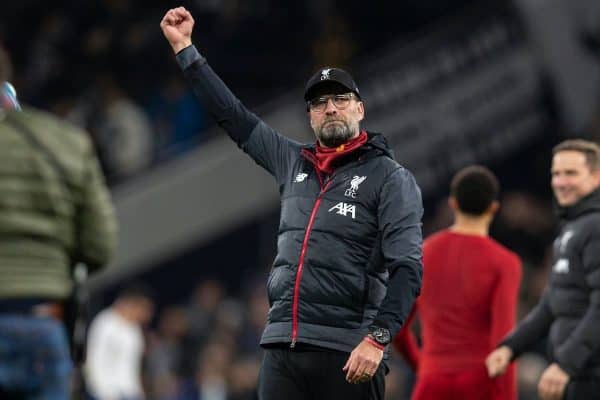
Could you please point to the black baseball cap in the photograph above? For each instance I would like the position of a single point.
(330, 78)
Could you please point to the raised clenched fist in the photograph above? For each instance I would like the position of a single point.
(177, 26)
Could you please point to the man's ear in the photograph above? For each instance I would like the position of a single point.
(494, 207)
(452, 203)
(361, 110)
(596, 175)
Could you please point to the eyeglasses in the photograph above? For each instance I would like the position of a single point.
(340, 101)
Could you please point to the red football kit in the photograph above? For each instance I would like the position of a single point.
(467, 305)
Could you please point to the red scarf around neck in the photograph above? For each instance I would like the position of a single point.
(326, 156)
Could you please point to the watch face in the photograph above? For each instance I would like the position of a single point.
(381, 335)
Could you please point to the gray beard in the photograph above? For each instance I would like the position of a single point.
(334, 135)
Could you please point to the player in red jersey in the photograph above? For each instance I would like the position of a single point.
(468, 299)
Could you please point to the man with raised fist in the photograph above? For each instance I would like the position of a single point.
(348, 263)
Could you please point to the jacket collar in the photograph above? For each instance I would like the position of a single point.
(376, 144)
(587, 204)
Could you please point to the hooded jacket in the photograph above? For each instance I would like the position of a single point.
(349, 244)
(569, 311)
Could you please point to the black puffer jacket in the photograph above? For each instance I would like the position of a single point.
(569, 311)
(349, 245)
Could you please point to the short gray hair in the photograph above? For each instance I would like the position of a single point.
(589, 149)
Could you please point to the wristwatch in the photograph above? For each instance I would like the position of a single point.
(380, 335)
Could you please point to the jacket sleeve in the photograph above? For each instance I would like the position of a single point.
(269, 149)
(532, 328)
(584, 341)
(96, 221)
(400, 212)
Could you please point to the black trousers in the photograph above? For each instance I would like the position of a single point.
(288, 374)
(583, 389)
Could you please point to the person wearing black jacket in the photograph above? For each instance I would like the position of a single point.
(569, 310)
(348, 264)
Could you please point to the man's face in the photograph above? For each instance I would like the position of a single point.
(143, 309)
(572, 178)
(335, 118)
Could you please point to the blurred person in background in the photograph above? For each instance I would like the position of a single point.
(55, 212)
(243, 376)
(569, 311)
(207, 298)
(122, 130)
(165, 353)
(177, 117)
(468, 302)
(209, 381)
(256, 318)
(116, 346)
(348, 266)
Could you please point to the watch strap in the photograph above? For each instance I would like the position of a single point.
(374, 343)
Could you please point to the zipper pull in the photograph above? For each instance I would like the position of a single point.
(293, 344)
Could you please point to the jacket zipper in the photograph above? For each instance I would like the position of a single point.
(301, 264)
(312, 159)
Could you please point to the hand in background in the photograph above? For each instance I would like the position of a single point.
(553, 383)
(498, 360)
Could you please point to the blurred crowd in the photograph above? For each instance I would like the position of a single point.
(104, 65)
(207, 348)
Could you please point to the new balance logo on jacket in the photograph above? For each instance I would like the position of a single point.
(300, 177)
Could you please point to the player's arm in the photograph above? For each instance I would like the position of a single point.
(504, 300)
(268, 148)
(503, 311)
(584, 341)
